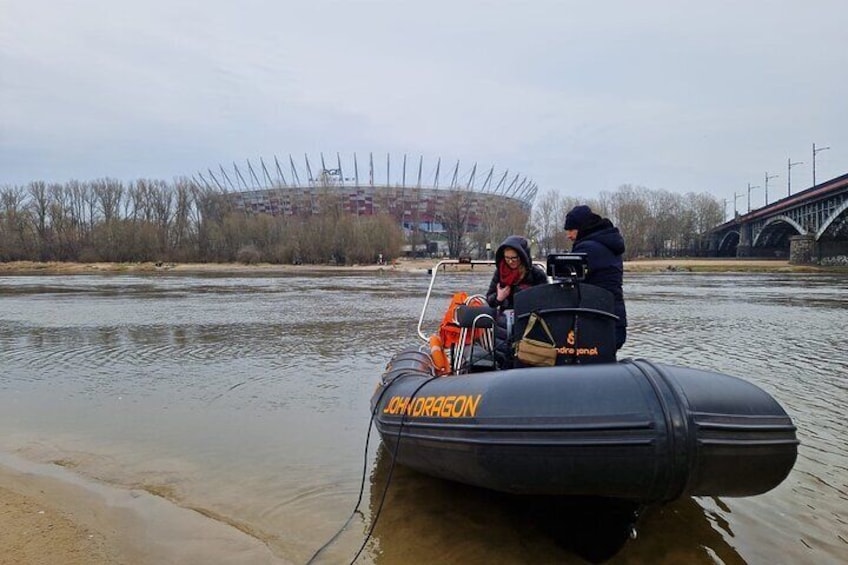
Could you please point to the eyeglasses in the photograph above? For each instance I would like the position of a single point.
(510, 258)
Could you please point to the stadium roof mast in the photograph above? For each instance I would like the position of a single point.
(308, 169)
(488, 179)
(500, 182)
(266, 177)
(280, 171)
(403, 177)
(508, 190)
(472, 176)
(355, 171)
(293, 169)
(253, 174)
(455, 173)
(226, 177)
(531, 186)
(339, 164)
(239, 177)
(518, 188)
(220, 186)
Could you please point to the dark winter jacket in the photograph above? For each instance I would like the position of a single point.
(534, 275)
(603, 245)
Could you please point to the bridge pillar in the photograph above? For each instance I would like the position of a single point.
(743, 249)
(712, 250)
(803, 249)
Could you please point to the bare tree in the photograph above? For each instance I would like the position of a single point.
(453, 215)
(15, 225)
(182, 232)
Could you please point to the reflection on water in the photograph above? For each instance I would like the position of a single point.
(247, 399)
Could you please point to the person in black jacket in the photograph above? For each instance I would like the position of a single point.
(514, 271)
(603, 245)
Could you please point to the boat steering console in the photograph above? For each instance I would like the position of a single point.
(569, 268)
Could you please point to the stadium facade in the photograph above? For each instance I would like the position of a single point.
(417, 199)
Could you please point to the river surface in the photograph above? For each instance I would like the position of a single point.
(247, 398)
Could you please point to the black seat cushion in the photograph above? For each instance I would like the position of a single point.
(465, 316)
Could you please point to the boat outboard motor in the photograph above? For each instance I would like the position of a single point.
(580, 316)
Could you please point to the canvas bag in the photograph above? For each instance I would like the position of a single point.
(533, 351)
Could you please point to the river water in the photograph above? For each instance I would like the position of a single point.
(246, 398)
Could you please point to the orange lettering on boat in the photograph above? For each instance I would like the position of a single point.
(447, 407)
(471, 404)
(438, 402)
(428, 404)
(454, 406)
(418, 407)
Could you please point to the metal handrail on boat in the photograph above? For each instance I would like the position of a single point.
(435, 270)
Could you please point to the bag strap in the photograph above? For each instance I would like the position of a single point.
(532, 322)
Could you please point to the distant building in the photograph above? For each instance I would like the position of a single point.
(416, 205)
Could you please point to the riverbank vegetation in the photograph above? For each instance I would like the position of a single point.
(153, 221)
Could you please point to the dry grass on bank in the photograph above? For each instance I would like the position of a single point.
(703, 265)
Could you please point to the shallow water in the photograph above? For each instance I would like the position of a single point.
(247, 399)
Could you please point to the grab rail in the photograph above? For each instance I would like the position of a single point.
(434, 271)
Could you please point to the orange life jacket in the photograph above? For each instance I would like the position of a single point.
(449, 329)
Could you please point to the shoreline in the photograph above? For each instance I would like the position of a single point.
(693, 265)
(50, 514)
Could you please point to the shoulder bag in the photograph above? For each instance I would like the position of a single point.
(533, 351)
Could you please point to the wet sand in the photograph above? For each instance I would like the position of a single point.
(49, 515)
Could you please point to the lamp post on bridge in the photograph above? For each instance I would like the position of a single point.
(735, 198)
(750, 188)
(790, 164)
(814, 160)
(766, 185)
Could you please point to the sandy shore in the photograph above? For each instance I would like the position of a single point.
(401, 265)
(49, 515)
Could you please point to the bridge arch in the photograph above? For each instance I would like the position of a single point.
(727, 245)
(830, 220)
(774, 232)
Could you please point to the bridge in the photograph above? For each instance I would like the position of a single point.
(810, 226)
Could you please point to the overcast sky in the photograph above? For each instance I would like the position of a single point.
(581, 97)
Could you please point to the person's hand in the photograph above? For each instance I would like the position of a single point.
(503, 292)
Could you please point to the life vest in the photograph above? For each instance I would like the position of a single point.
(449, 331)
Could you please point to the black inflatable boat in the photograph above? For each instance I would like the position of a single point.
(589, 425)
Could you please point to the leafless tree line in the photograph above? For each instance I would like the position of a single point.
(153, 220)
(655, 223)
(496, 218)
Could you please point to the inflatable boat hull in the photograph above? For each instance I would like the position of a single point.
(633, 430)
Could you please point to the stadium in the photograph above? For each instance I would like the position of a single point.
(420, 197)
